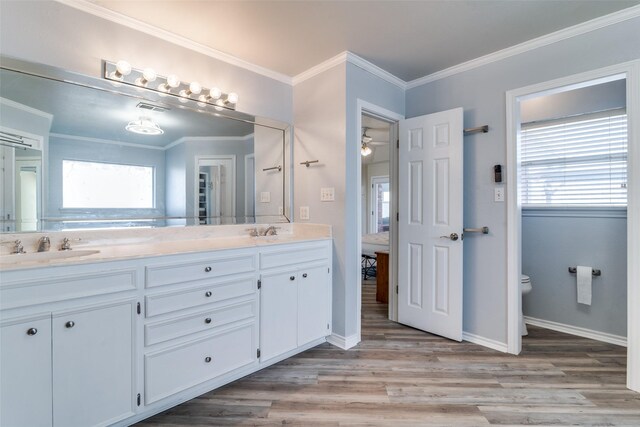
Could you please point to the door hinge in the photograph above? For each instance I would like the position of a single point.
(139, 309)
(139, 399)
(397, 216)
(259, 283)
(396, 289)
(258, 353)
(327, 326)
(328, 270)
(397, 143)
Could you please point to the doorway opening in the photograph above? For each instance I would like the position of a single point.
(570, 156)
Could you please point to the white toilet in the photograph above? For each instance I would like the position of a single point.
(525, 288)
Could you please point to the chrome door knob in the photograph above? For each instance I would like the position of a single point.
(207, 320)
(70, 324)
(207, 359)
(32, 331)
(207, 269)
(452, 236)
(292, 277)
(207, 294)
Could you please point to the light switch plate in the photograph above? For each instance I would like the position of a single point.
(498, 195)
(327, 194)
(265, 197)
(280, 210)
(304, 212)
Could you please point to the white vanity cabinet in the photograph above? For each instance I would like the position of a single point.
(295, 297)
(25, 372)
(72, 363)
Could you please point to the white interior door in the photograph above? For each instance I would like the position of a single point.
(430, 223)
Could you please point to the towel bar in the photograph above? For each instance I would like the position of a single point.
(594, 272)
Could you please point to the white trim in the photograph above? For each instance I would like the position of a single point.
(373, 219)
(184, 139)
(103, 141)
(27, 109)
(170, 37)
(353, 145)
(557, 36)
(631, 71)
(485, 342)
(344, 343)
(230, 176)
(248, 196)
(577, 331)
(354, 59)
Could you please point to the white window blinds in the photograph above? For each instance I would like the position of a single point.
(577, 161)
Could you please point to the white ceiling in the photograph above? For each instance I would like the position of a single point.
(409, 39)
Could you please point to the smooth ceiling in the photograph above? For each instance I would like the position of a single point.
(409, 39)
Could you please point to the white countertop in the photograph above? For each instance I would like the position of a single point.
(102, 246)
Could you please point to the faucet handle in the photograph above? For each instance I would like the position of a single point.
(253, 232)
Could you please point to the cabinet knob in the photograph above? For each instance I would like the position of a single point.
(207, 359)
(207, 294)
(207, 269)
(32, 331)
(292, 278)
(304, 275)
(207, 320)
(70, 324)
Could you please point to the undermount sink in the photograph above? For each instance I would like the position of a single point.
(44, 256)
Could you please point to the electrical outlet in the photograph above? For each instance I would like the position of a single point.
(327, 194)
(498, 195)
(265, 197)
(304, 212)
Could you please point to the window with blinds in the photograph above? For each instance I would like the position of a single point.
(577, 161)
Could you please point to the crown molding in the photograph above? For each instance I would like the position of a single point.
(354, 59)
(118, 18)
(207, 139)
(557, 36)
(104, 141)
(27, 109)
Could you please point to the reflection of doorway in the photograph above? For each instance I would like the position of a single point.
(216, 195)
(27, 194)
(249, 187)
(515, 194)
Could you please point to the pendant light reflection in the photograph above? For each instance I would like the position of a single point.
(144, 126)
(365, 150)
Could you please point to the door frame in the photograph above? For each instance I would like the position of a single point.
(232, 175)
(631, 72)
(248, 196)
(364, 107)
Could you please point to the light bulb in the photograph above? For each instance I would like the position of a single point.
(149, 74)
(215, 93)
(195, 88)
(232, 98)
(365, 150)
(123, 68)
(173, 81)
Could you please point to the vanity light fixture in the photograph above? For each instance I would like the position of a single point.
(122, 72)
(144, 126)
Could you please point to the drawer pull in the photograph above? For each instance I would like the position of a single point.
(207, 320)
(207, 269)
(304, 275)
(292, 278)
(207, 359)
(32, 331)
(70, 324)
(207, 294)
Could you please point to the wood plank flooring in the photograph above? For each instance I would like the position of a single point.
(399, 376)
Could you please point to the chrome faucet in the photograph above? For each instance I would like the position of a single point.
(272, 230)
(44, 244)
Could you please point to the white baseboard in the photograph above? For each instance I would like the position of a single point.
(344, 343)
(485, 342)
(575, 330)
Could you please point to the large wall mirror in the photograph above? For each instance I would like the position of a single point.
(79, 152)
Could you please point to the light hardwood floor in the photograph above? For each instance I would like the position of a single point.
(399, 376)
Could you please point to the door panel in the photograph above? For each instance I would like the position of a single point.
(430, 200)
(278, 314)
(313, 303)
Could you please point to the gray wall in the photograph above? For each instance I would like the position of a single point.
(553, 242)
(554, 239)
(481, 92)
(71, 149)
(52, 33)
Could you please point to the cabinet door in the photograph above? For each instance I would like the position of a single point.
(313, 304)
(93, 365)
(25, 374)
(278, 314)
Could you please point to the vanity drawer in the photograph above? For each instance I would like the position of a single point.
(169, 274)
(193, 297)
(294, 254)
(181, 367)
(206, 320)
